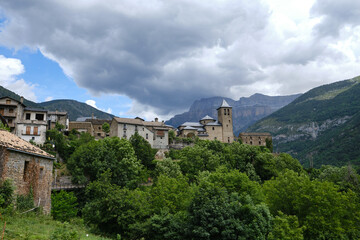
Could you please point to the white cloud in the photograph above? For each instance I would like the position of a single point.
(10, 68)
(48, 99)
(93, 104)
(165, 54)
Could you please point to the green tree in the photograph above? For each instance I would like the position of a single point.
(167, 167)
(143, 150)
(172, 136)
(325, 212)
(4, 127)
(216, 214)
(90, 160)
(6, 193)
(63, 206)
(269, 144)
(286, 228)
(106, 127)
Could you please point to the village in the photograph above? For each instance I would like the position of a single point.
(30, 167)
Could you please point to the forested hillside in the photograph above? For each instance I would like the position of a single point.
(7, 93)
(75, 109)
(320, 127)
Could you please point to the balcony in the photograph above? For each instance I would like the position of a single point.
(29, 133)
(7, 114)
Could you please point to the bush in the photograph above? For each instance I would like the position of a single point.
(6, 193)
(65, 232)
(25, 202)
(64, 206)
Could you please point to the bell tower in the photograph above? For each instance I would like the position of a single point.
(225, 119)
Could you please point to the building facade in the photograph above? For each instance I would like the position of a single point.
(256, 139)
(32, 125)
(156, 133)
(54, 117)
(210, 129)
(28, 167)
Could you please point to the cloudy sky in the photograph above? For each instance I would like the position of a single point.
(155, 57)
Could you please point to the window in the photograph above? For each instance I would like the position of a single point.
(250, 142)
(99, 134)
(35, 130)
(99, 128)
(26, 170)
(39, 117)
(213, 128)
(28, 129)
(228, 139)
(11, 110)
(259, 142)
(147, 136)
(136, 128)
(27, 116)
(227, 125)
(224, 111)
(143, 129)
(228, 110)
(41, 175)
(229, 121)
(10, 121)
(215, 138)
(124, 126)
(8, 101)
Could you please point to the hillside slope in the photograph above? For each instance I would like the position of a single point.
(75, 109)
(246, 111)
(320, 127)
(7, 93)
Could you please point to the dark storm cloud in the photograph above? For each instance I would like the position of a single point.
(336, 15)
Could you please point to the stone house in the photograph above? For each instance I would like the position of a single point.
(11, 110)
(210, 129)
(256, 139)
(28, 167)
(82, 127)
(54, 117)
(97, 130)
(155, 132)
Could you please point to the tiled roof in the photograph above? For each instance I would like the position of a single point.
(213, 124)
(98, 121)
(224, 104)
(201, 130)
(9, 140)
(129, 121)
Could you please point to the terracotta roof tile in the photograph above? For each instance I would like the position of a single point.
(9, 140)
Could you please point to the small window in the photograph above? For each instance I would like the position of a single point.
(41, 175)
(136, 128)
(99, 128)
(35, 132)
(215, 138)
(39, 117)
(224, 111)
(27, 116)
(213, 128)
(124, 126)
(259, 142)
(229, 121)
(8, 101)
(250, 142)
(143, 129)
(28, 129)
(147, 136)
(228, 139)
(227, 125)
(10, 121)
(26, 170)
(11, 110)
(33, 138)
(228, 111)
(99, 134)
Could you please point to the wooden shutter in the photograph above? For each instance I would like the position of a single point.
(35, 130)
(28, 130)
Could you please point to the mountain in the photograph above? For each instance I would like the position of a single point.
(7, 93)
(246, 111)
(320, 127)
(75, 109)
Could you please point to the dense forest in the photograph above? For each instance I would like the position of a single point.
(210, 190)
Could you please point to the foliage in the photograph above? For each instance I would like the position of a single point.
(63, 206)
(6, 193)
(269, 144)
(168, 168)
(325, 212)
(113, 209)
(286, 228)
(90, 160)
(106, 127)
(143, 150)
(25, 202)
(59, 126)
(65, 232)
(4, 127)
(172, 136)
(216, 214)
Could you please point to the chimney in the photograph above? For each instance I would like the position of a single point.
(156, 119)
(22, 100)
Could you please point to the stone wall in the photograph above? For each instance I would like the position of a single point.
(28, 171)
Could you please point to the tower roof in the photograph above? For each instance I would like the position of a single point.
(207, 117)
(224, 104)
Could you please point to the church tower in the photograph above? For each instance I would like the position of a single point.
(225, 118)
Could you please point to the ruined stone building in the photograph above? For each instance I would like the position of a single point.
(256, 139)
(97, 130)
(210, 129)
(28, 167)
(155, 132)
(54, 117)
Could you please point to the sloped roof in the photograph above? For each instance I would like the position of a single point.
(207, 117)
(189, 128)
(98, 121)
(192, 124)
(129, 121)
(13, 142)
(216, 123)
(224, 104)
(201, 130)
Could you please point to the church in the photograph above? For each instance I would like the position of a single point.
(209, 128)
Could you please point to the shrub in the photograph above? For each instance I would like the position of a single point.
(25, 202)
(65, 232)
(64, 206)
(6, 193)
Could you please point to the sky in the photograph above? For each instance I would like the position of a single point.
(153, 58)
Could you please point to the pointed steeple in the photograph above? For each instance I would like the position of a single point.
(224, 104)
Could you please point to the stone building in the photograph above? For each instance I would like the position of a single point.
(210, 129)
(28, 167)
(256, 139)
(54, 117)
(97, 124)
(156, 133)
(12, 110)
(82, 127)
